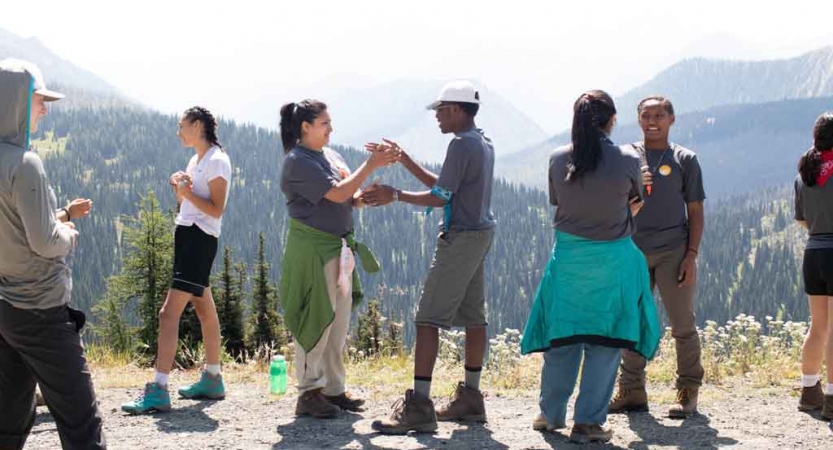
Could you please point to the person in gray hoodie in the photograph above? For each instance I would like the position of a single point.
(39, 333)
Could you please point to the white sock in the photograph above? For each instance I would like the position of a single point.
(809, 380)
(829, 388)
(161, 379)
(212, 369)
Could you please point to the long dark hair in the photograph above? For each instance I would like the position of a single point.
(293, 115)
(809, 166)
(592, 113)
(209, 123)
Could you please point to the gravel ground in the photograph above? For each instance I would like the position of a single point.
(248, 419)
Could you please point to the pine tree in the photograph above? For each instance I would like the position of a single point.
(145, 275)
(369, 334)
(229, 299)
(265, 325)
(394, 341)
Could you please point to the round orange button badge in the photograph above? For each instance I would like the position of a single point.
(665, 170)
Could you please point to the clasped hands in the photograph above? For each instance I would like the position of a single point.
(386, 153)
(181, 181)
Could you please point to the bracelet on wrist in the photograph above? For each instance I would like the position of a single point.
(66, 211)
(693, 251)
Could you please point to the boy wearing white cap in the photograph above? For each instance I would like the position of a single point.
(39, 332)
(454, 291)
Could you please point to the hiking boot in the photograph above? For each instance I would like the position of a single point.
(154, 398)
(467, 404)
(812, 398)
(413, 413)
(540, 424)
(346, 401)
(827, 409)
(313, 403)
(584, 433)
(686, 404)
(210, 387)
(628, 400)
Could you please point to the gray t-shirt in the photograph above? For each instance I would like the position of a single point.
(307, 176)
(662, 224)
(467, 174)
(814, 205)
(596, 205)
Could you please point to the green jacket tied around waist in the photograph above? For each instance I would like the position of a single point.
(306, 302)
(595, 292)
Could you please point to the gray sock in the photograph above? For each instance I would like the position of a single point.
(473, 377)
(422, 386)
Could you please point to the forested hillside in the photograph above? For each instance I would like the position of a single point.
(115, 156)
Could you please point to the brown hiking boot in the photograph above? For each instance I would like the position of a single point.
(346, 401)
(628, 400)
(312, 403)
(686, 404)
(467, 404)
(827, 409)
(584, 433)
(413, 413)
(812, 398)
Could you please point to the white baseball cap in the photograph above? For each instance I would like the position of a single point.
(19, 65)
(462, 91)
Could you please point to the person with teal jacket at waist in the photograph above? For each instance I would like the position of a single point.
(594, 298)
(319, 285)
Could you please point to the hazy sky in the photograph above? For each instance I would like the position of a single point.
(540, 55)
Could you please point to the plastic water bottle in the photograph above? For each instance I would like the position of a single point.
(277, 375)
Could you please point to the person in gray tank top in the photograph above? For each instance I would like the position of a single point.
(814, 211)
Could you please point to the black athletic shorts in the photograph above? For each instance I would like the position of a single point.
(194, 252)
(818, 271)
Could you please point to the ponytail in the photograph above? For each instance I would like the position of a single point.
(209, 123)
(809, 166)
(293, 115)
(592, 113)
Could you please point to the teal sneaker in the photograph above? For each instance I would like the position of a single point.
(155, 398)
(210, 387)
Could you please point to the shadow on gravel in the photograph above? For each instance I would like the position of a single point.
(470, 436)
(190, 419)
(308, 433)
(691, 433)
(560, 440)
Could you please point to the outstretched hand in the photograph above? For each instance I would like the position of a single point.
(386, 146)
(378, 195)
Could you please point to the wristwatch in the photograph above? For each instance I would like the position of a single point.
(396, 195)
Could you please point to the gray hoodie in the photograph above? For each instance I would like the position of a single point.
(33, 243)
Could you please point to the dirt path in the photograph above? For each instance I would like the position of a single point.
(248, 419)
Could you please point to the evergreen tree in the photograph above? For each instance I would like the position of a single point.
(265, 325)
(145, 275)
(230, 303)
(369, 338)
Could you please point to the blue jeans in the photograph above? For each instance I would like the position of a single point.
(558, 378)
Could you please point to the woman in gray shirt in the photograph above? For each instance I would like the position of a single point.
(594, 298)
(814, 210)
